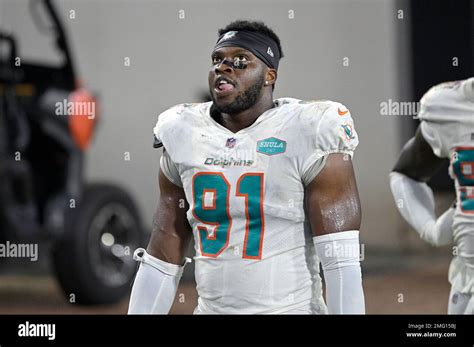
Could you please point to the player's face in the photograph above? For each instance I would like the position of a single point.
(234, 90)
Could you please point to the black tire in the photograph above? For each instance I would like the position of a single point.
(89, 270)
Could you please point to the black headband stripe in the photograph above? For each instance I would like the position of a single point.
(261, 45)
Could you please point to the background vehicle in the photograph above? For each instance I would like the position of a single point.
(47, 120)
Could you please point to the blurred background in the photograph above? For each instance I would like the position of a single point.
(81, 184)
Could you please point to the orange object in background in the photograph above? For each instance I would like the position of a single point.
(83, 118)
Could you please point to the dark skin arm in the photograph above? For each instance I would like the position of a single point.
(171, 232)
(417, 159)
(332, 200)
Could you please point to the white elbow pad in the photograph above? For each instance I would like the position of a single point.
(155, 284)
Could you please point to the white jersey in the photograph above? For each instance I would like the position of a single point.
(253, 243)
(447, 124)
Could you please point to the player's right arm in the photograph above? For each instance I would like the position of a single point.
(163, 262)
(413, 197)
(333, 207)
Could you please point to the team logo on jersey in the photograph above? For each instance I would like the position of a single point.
(348, 132)
(271, 146)
(341, 112)
(225, 162)
(231, 142)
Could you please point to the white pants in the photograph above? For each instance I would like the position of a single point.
(460, 303)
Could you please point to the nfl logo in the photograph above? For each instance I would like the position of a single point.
(231, 142)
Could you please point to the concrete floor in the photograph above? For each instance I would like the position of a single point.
(397, 284)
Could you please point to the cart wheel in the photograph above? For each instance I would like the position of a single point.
(94, 262)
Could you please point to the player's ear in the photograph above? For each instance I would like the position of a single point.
(270, 77)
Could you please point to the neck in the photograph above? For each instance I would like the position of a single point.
(238, 121)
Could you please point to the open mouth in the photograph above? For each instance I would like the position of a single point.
(223, 86)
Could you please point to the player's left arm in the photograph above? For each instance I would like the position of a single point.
(414, 198)
(333, 208)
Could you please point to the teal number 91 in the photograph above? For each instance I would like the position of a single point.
(215, 216)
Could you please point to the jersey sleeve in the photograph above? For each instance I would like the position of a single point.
(468, 89)
(333, 132)
(430, 134)
(157, 133)
(169, 169)
(163, 124)
(164, 135)
(313, 170)
(430, 117)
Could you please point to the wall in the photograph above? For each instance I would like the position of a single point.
(169, 61)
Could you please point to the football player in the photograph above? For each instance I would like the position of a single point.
(446, 132)
(269, 193)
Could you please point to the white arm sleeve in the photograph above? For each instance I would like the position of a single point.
(415, 201)
(155, 284)
(339, 254)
